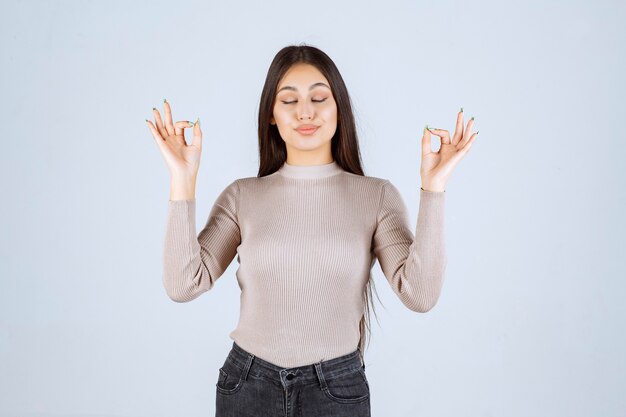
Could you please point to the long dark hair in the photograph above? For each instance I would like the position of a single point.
(344, 144)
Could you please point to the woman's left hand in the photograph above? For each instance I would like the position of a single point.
(437, 166)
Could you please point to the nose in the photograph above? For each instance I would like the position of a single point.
(305, 110)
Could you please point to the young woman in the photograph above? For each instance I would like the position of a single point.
(306, 231)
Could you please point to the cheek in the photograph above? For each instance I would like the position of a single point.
(279, 117)
(329, 114)
(330, 110)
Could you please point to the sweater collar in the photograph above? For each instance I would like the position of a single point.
(310, 171)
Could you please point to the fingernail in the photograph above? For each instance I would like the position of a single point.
(164, 101)
(461, 109)
(191, 123)
(425, 127)
(472, 118)
(477, 131)
(198, 121)
(154, 108)
(146, 120)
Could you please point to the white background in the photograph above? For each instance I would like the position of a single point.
(531, 319)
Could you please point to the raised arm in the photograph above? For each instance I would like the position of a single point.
(414, 265)
(192, 264)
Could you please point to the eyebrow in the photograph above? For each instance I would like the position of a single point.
(289, 87)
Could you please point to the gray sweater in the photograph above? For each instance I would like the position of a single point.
(306, 238)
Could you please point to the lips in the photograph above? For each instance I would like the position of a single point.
(307, 129)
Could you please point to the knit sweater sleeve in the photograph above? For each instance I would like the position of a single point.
(192, 264)
(414, 265)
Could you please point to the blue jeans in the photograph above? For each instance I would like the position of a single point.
(248, 386)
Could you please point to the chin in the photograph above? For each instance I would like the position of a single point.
(306, 146)
(310, 143)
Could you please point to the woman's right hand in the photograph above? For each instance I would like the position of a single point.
(182, 160)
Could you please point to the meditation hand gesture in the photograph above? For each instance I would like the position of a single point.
(182, 160)
(437, 166)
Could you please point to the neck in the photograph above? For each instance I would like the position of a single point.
(310, 171)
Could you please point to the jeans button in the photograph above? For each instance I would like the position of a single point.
(290, 376)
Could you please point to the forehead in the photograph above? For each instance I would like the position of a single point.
(301, 77)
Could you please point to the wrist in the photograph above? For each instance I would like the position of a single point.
(182, 188)
(433, 188)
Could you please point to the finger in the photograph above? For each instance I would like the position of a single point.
(468, 130)
(197, 135)
(159, 123)
(426, 144)
(458, 129)
(169, 125)
(444, 135)
(155, 133)
(466, 145)
(180, 126)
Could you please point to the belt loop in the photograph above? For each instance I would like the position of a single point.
(320, 375)
(248, 365)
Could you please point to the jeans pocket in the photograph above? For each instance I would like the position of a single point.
(230, 378)
(350, 387)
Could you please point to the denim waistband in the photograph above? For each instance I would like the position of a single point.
(331, 368)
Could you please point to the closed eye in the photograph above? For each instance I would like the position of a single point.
(295, 101)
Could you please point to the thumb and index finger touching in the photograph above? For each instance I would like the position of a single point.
(197, 132)
(444, 135)
(158, 132)
(426, 138)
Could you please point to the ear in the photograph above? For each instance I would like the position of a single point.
(272, 121)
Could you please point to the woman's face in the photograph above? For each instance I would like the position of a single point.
(304, 98)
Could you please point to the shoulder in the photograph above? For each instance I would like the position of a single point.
(368, 182)
(381, 192)
(254, 183)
